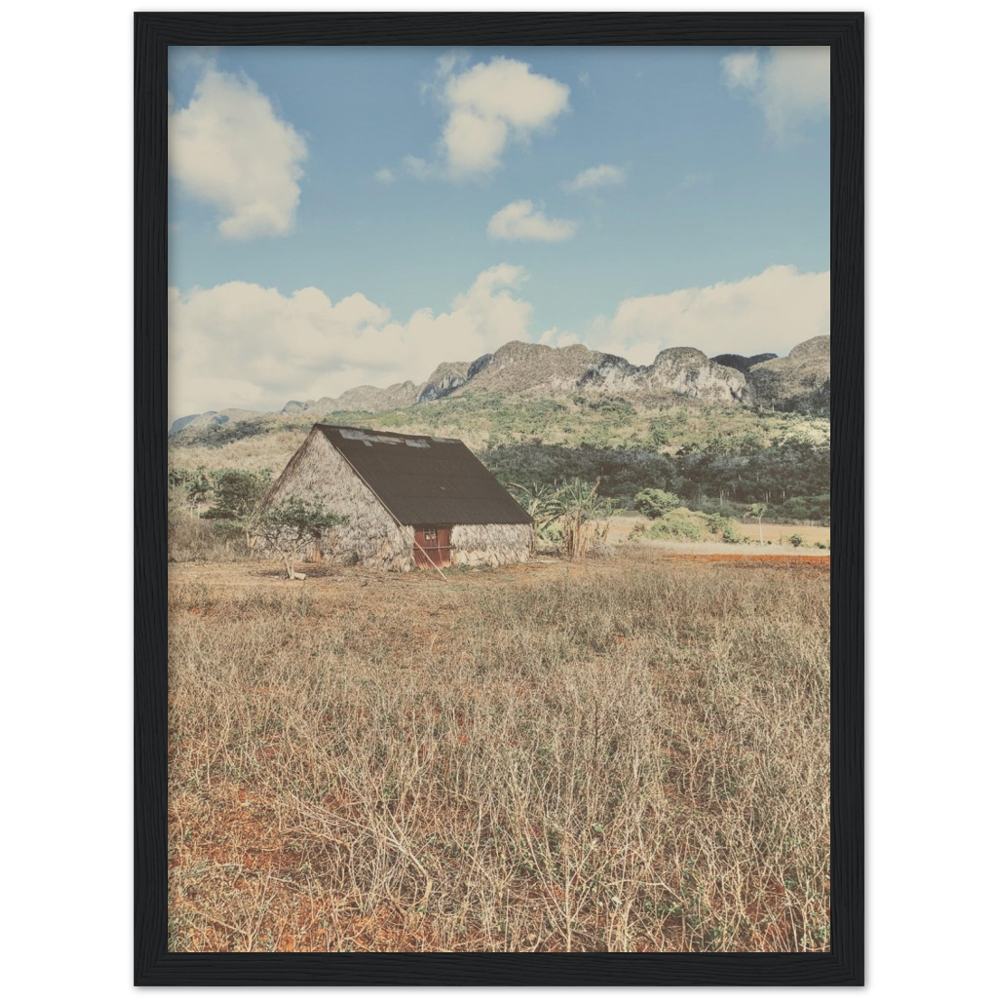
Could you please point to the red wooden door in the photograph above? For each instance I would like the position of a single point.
(432, 547)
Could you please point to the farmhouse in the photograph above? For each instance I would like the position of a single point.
(410, 500)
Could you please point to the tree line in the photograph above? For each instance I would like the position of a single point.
(792, 478)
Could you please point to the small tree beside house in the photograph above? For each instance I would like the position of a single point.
(285, 526)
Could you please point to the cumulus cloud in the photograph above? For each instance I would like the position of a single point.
(229, 148)
(791, 85)
(521, 221)
(772, 311)
(242, 345)
(385, 175)
(488, 104)
(602, 176)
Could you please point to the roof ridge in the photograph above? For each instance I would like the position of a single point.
(386, 433)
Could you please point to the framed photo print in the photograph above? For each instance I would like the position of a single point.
(498, 499)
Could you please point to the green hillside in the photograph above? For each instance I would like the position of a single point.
(700, 452)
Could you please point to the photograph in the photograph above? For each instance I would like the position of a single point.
(498, 491)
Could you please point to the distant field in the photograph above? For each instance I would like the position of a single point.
(777, 534)
(624, 754)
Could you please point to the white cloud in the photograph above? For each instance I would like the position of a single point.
(242, 345)
(520, 221)
(419, 168)
(446, 64)
(229, 148)
(791, 85)
(385, 175)
(474, 142)
(602, 176)
(507, 89)
(772, 311)
(741, 69)
(487, 104)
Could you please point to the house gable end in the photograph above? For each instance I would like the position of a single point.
(318, 471)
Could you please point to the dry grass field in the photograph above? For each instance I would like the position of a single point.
(625, 754)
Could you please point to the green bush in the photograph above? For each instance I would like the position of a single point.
(236, 494)
(718, 524)
(682, 524)
(656, 503)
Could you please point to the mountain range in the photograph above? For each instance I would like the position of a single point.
(798, 382)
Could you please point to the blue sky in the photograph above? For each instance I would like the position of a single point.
(350, 216)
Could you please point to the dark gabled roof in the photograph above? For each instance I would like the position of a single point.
(425, 480)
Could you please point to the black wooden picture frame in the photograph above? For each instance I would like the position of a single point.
(843, 964)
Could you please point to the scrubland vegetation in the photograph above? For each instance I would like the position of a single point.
(715, 459)
(625, 754)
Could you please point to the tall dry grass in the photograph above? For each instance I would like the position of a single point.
(191, 539)
(631, 755)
